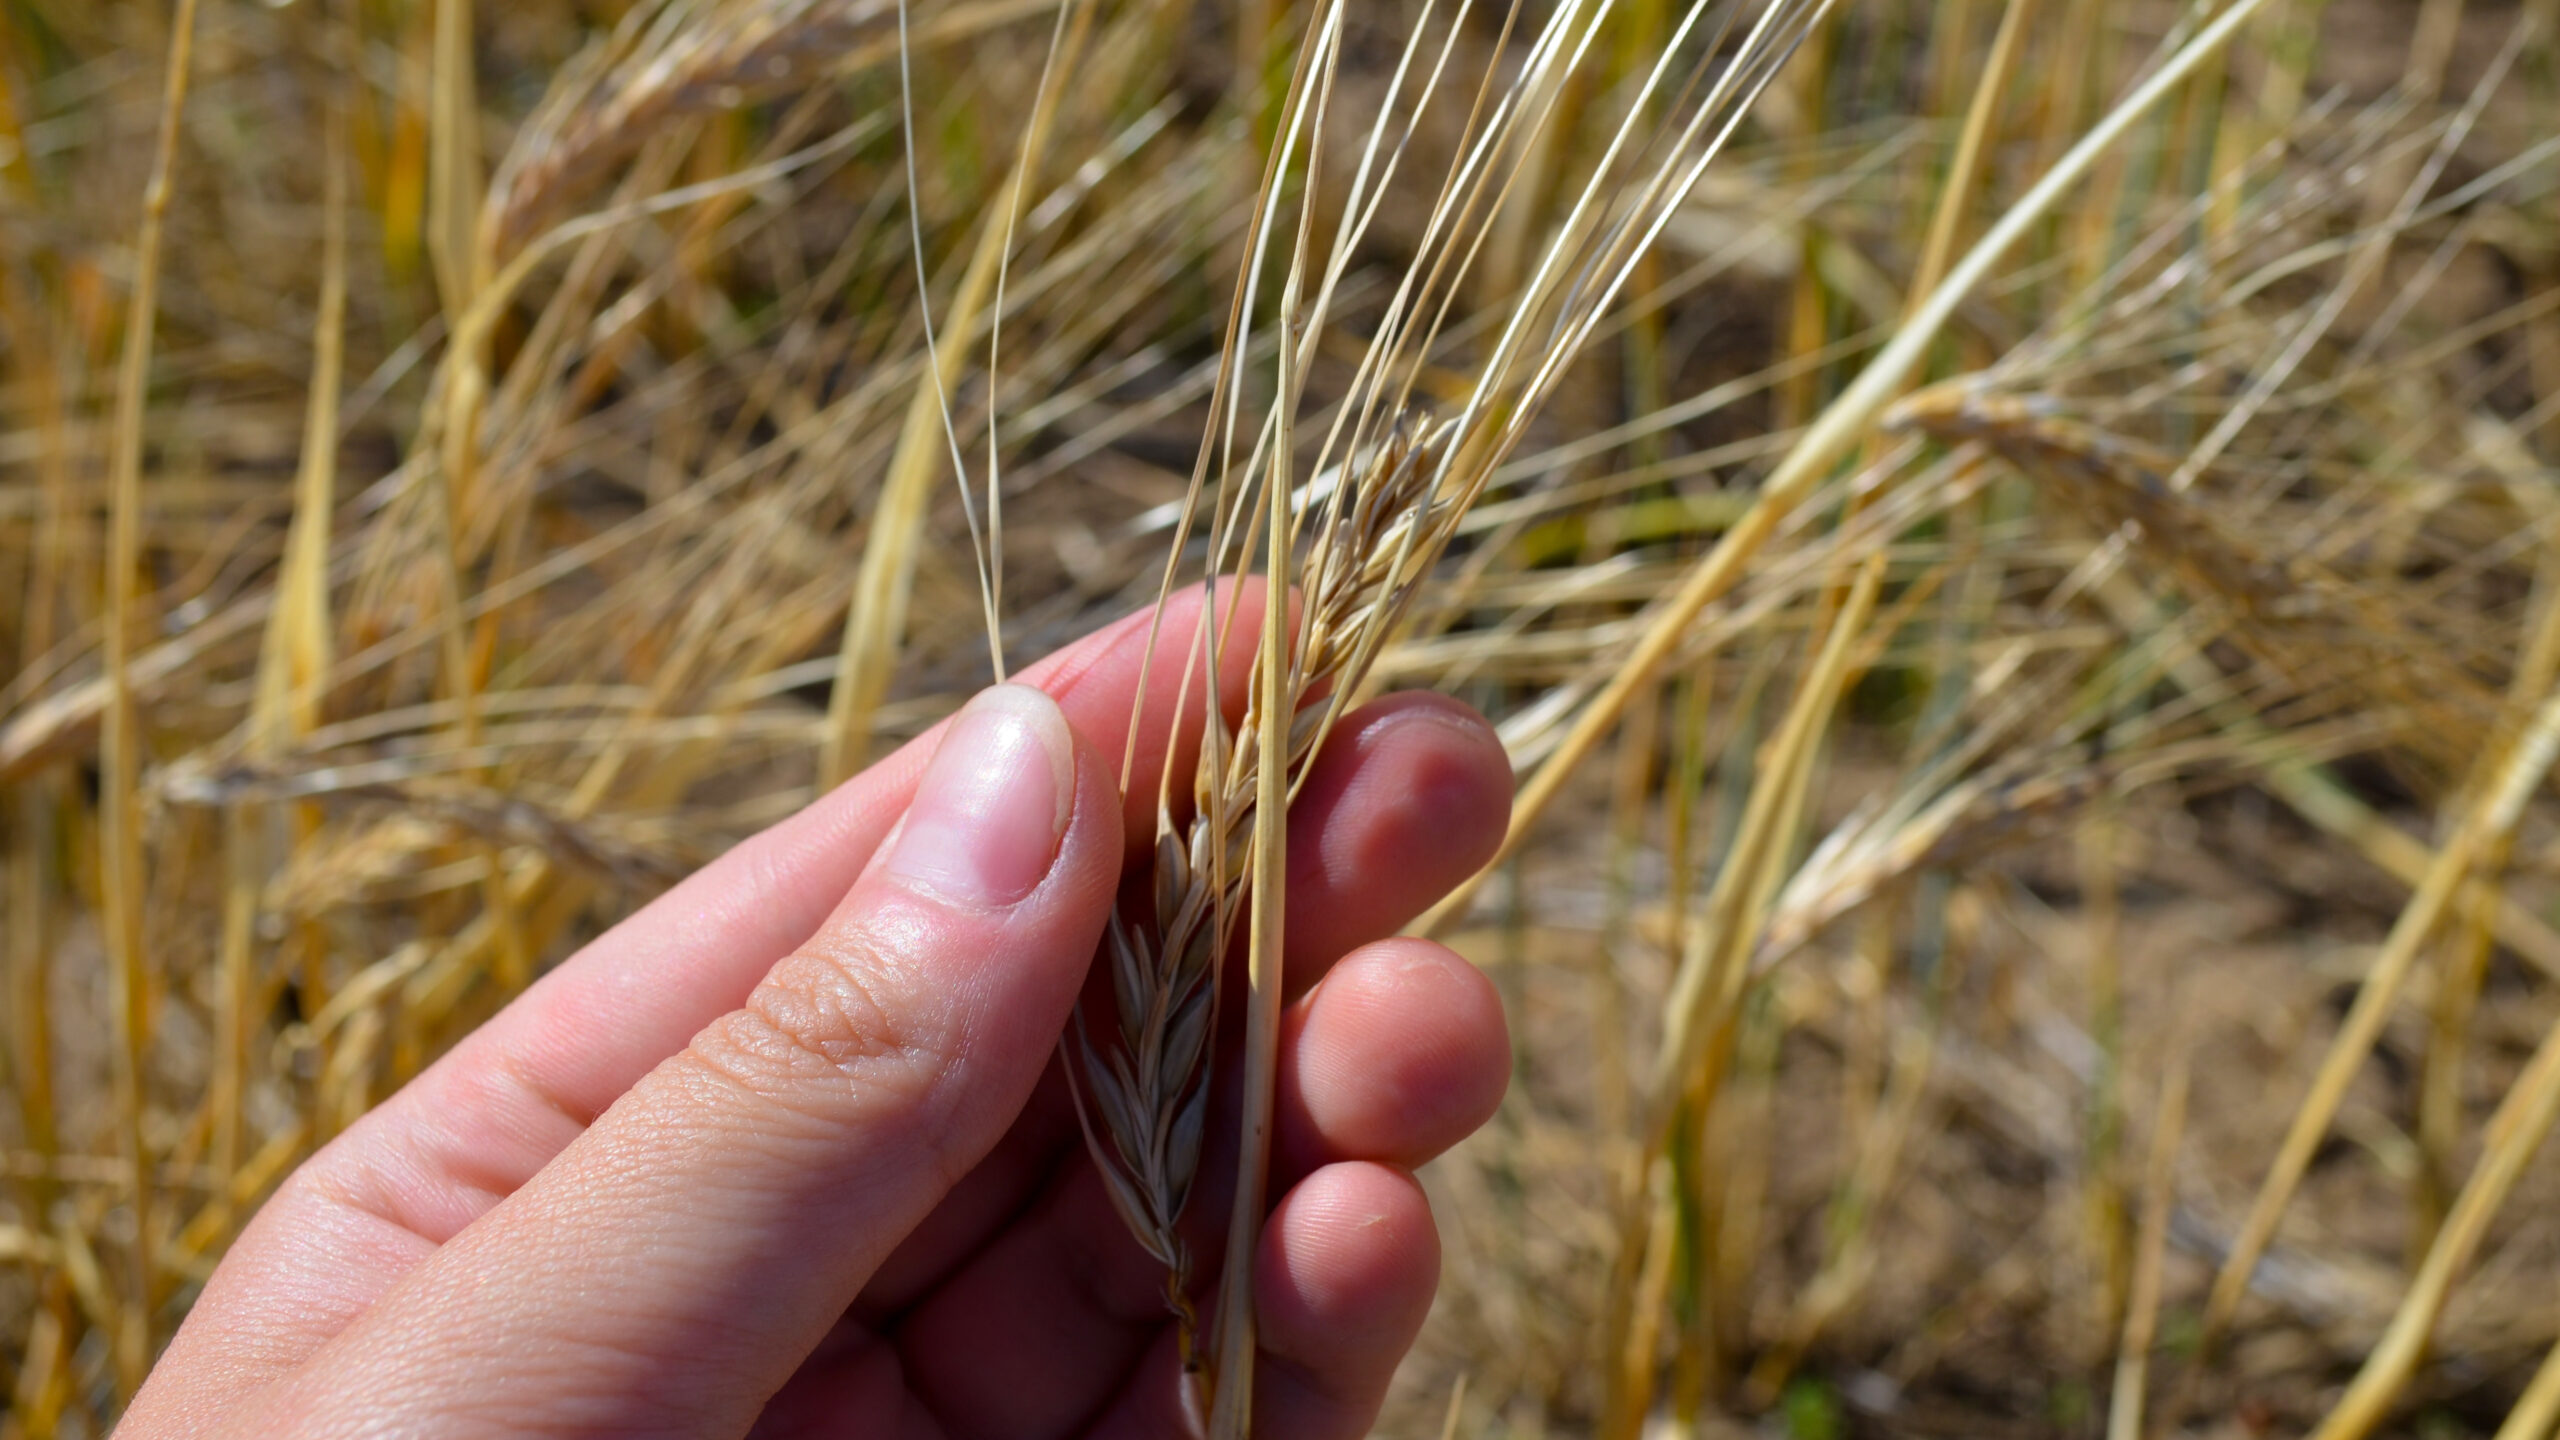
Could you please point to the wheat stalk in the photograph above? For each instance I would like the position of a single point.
(1374, 526)
(121, 878)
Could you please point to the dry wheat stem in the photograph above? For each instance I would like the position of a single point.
(2524, 1118)
(2536, 1411)
(293, 656)
(2495, 813)
(2159, 1199)
(1829, 438)
(121, 879)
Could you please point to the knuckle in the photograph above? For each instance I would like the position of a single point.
(846, 1005)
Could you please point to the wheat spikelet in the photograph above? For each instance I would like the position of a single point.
(2331, 641)
(1151, 1090)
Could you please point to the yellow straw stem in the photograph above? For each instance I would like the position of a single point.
(1823, 444)
(2494, 816)
(120, 837)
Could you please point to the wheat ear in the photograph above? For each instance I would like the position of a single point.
(1150, 1091)
(670, 60)
(1373, 526)
(666, 61)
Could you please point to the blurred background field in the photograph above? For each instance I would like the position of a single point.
(2067, 943)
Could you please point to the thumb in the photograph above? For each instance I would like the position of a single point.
(669, 1270)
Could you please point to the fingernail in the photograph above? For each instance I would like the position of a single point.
(992, 805)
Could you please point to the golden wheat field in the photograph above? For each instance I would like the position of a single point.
(2013, 546)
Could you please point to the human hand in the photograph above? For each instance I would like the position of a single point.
(785, 1151)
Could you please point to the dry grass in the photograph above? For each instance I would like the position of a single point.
(2024, 597)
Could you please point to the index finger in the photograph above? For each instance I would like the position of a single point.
(592, 1027)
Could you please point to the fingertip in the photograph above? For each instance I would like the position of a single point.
(1349, 1261)
(990, 814)
(1410, 797)
(1429, 767)
(1399, 1054)
(1343, 1279)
